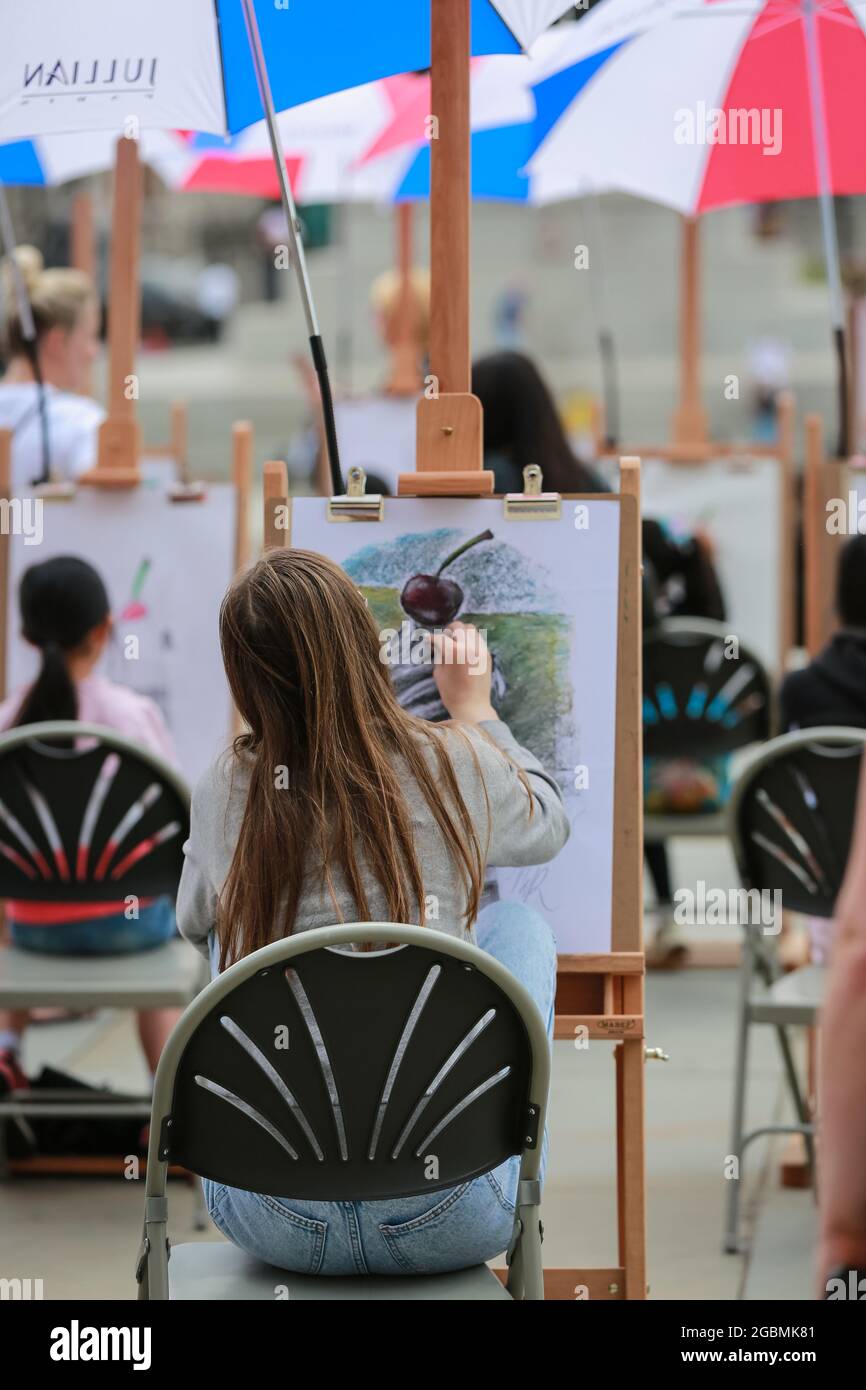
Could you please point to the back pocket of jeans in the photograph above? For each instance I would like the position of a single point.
(467, 1227)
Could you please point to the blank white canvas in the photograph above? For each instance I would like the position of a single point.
(579, 569)
(191, 549)
(377, 433)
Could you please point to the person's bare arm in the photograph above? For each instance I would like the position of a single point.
(842, 1192)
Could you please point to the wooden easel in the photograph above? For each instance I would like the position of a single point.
(602, 993)
(449, 441)
(600, 996)
(120, 439)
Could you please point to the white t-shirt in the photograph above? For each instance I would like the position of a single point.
(73, 424)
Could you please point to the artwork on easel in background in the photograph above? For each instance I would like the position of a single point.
(166, 567)
(737, 504)
(545, 593)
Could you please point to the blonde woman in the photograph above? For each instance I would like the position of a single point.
(65, 309)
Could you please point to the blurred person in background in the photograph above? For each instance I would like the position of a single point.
(522, 425)
(832, 688)
(66, 317)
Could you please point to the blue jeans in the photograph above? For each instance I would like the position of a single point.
(99, 936)
(459, 1227)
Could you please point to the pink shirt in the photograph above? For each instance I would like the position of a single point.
(101, 701)
(137, 717)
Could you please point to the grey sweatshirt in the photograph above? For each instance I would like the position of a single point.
(515, 837)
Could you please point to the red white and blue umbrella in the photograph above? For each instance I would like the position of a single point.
(51, 160)
(322, 141)
(707, 104)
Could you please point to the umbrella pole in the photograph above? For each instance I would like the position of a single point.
(28, 331)
(829, 236)
(317, 347)
(690, 419)
(449, 449)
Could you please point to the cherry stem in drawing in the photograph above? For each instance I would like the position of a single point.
(461, 549)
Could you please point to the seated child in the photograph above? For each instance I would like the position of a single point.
(381, 813)
(65, 615)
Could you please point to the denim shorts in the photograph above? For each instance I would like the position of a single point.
(100, 936)
(427, 1234)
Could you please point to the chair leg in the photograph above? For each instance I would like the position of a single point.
(530, 1254)
(200, 1213)
(156, 1268)
(801, 1107)
(731, 1243)
(514, 1258)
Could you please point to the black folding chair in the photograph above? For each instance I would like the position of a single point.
(87, 816)
(429, 1048)
(791, 818)
(699, 702)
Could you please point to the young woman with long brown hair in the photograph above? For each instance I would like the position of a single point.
(338, 806)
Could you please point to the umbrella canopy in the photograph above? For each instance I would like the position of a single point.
(96, 64)
(322, 141)
(502, 113)
(55, 159)
(708, 104)
(712, 104)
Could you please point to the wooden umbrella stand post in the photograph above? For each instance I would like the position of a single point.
(450, 447)
(689, 424)
(120, 440)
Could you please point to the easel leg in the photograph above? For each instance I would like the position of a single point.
(631, 1177)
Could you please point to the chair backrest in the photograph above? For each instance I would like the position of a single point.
(699, 700)
(791, 816)
(330, 1074)
(87, 816)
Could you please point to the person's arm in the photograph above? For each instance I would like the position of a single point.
(528, 823)
(842, 1191)
(196, 908)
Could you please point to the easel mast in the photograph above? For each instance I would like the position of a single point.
(120, 440)
(449, 451)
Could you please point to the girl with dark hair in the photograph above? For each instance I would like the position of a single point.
(522, 426)
(65, 615)
(380, 816)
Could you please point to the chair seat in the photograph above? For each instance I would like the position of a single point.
(164, 977)
(795, 998)
(216, 1271)
(657, 828)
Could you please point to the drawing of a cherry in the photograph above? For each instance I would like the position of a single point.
(432, 600)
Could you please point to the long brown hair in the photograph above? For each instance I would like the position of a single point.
(302, 656)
